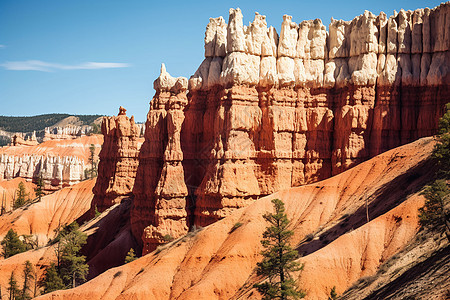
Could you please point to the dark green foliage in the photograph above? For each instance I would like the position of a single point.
(279, 258)
(235, 226)
(434, 214)
(4, 140)
(52, 281)
(95, 128)
(333, 294)
(96, 212)
(441, 151)
(168, 238)
(13, 289)
(28, 124)
(39, 187)
(131, 256)
(28, 275)
(22, 196)
(12, 245)
(92, 172)
(73, 267)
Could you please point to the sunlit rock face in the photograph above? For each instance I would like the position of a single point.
(267, 111)
(118, 160)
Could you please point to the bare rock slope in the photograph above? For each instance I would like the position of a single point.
(218, 262)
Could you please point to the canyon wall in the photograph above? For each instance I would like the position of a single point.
(265, 112)
(60, 163)
(118, 161)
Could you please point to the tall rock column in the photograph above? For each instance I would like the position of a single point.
(159, 211)
(118, 161)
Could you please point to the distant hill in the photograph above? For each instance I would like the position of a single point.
(38, 123)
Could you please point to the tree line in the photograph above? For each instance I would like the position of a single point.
(37, 123)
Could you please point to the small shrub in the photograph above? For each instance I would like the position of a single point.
(235, 226)
(168, 238)
(309, 237)
(117, 274)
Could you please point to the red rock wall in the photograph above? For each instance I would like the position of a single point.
(267, 112)
(118, 161)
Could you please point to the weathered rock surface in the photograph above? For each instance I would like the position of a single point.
(214, 263)
(60, 162)
(118, 160)
(267, 112)
(160, 191)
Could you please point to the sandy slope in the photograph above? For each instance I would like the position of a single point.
(216, 262)
(59, 208)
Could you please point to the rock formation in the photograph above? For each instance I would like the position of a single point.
(266, 112)
(118, 160)
(60, 163)
(66, 132)
(159, 212)
(19, 140)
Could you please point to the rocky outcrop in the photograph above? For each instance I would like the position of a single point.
(159, 212)
(118, 160)
(56, 171)
(19, 140)
(60, 163)
(267, 112)
(66, 132)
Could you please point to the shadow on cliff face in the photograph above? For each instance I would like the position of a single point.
(383, 200)
(109, 239)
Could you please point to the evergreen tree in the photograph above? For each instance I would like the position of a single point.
(39, 187)
(93, 170)
(13, 290)
(73, 267)
(52, 281)
(441, 151)
(130, 256)
(279, 258)
(11, 244)
(434, 215)
(28, 275)
(22, 196)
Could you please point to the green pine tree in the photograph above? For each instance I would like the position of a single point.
(52, 281)
(130, 256)
(22, 196)
(73, 267)
(28, 275)
(93, 170)
(434, 214)
(279, 258)
(39, 187)
(441, 151)
(11, 244)
(13, 289)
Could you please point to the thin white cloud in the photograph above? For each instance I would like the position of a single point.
(37, 65)
(2, 46)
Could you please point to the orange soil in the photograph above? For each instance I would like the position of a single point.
(57, 209)
(217, 261)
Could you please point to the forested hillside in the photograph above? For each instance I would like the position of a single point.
(28, 124)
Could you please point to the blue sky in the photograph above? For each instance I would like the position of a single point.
(90, 57)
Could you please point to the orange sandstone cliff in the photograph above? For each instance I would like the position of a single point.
(118, 160)
(268, 111)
